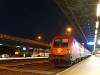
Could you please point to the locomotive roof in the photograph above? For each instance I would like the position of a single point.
(63, 36)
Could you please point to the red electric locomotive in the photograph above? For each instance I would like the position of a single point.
(65, 50)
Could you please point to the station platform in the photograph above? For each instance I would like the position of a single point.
(12, 58)
(89, 66)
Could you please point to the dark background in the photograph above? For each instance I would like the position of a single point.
(30, 18)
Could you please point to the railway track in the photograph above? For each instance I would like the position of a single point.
(28, 67)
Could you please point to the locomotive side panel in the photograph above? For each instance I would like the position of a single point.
(82, 52)
(86, 53)
(75, 50)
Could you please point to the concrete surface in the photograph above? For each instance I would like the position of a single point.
(89, 66)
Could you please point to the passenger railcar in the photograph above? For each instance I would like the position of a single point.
(66, 50)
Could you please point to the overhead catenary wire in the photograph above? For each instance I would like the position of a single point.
(70, 20)
(76, 22)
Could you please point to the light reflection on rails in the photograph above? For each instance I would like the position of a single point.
(22, 58)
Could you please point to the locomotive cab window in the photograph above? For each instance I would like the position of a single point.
(57, 42)
(60, 42)
(64, 42)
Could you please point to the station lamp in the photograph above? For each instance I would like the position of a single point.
(95, 37)
(39, 37)
(99, 42)
(98, 10)
(97, 24)
(69, 31)
(24, 49)
(1, 44)
(96, 31)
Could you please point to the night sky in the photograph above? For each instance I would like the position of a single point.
(30, 18)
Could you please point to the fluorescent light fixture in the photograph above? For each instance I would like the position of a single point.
(95, 41)
(95, 38)
(90, 43)
(96, 31)
(98, 10)
(99, 42)
(97, 24)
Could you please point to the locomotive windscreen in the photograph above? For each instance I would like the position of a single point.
(59, 42)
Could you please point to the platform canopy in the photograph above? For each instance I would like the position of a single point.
(82, 16)
(18, 41)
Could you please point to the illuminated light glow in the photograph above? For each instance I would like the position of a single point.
(96, 31)
(69, 29)
(98, 10)
(24, 48)
(24, 55)
(97, 24)
(18, 46)
(1, 44)
(95, 41)
(90, 43)
(16, 53)
(99, 42)
(59, 50)
(39, 37)
(40, 49)
(30, 48)
(82, 43)
(95, 38)
(95, 35)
